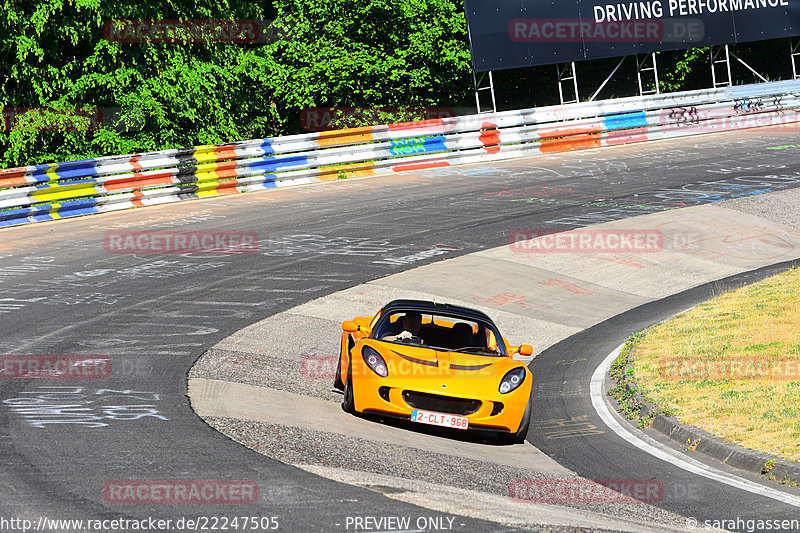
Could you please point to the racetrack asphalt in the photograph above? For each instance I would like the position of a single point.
(62, 294)
(255, 387)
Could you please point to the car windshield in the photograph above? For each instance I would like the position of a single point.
(443, 332)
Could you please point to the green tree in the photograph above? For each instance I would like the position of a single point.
(371, 53)
(690, 70)
(54, 55)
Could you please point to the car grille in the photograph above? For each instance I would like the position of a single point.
(441, 404)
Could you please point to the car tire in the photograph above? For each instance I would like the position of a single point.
(348, 402)
(337, 381)
(522, 432)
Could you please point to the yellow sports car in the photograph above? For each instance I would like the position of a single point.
(437, 364)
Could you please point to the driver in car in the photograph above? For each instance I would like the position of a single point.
(409, 326)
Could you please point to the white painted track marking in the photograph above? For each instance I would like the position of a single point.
(651, 446)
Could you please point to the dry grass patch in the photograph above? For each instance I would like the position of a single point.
(731, 366)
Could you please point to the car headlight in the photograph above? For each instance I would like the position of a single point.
(512, 380)
(374, 361)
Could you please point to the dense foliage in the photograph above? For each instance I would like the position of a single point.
(371, 53)
(70, 91)
(155, 95)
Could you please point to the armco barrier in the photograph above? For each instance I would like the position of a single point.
(59, 190)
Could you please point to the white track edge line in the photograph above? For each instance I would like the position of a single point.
(652, 447)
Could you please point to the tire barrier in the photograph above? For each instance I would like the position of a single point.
(59, 190)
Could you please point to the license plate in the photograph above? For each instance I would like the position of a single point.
(440, 419)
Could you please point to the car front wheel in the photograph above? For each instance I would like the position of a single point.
(348, 403)
(337, 380)
(522, 432)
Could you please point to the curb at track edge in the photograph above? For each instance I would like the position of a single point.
(710, 446)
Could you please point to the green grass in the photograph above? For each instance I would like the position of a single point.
(757, 325)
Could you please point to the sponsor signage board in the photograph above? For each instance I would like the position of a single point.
(507, 34)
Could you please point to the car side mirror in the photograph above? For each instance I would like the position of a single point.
(350, 326)
(525, 349)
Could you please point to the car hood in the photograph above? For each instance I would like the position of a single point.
(444, 361)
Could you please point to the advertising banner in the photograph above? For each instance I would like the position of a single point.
(508, 34)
